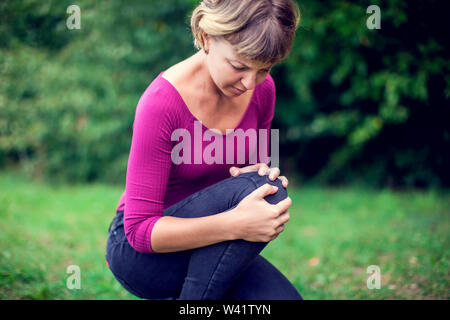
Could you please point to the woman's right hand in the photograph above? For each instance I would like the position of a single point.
(257, 220)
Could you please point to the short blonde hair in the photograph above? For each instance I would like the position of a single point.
(258, 30)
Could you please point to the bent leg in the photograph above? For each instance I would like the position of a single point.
(262, 281)
(213, 269)
(203, 273)
(145, 275)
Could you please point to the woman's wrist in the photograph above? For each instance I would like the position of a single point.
(231, 224)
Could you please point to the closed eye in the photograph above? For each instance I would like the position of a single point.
(242, 69)
(239, 69)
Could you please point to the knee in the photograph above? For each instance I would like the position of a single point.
(253, 181)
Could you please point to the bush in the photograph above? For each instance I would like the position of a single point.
(353, 104)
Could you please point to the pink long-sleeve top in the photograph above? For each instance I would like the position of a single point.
(153, 181)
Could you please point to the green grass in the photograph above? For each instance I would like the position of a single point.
(331, 239)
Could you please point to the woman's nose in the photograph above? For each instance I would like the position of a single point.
(249, 81)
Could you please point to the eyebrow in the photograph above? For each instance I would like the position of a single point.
(244, 63)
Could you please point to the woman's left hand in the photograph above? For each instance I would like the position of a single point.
(262, 169)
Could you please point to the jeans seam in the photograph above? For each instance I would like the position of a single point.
(208, 286)
(224, 253)
(110, 225)
(115, 223)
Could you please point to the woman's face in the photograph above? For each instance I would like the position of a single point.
(229, 71)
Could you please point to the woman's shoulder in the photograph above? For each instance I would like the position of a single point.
(159, 105)
(159, 91)
(160, 96)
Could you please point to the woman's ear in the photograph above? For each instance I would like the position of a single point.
(206, 41)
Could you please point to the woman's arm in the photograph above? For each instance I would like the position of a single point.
(253, 219)
(171, 234)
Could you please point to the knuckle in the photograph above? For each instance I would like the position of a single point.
(288, 201)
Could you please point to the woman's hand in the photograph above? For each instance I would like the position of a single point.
(262, 169)
(257, 220)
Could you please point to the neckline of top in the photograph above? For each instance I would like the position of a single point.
(195, 118)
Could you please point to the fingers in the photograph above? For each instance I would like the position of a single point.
(265, 190)
(234, 171)
(274, 173)
(283, 218)
(263, 168)
(280, 229)
(283, 205)
(284, 181)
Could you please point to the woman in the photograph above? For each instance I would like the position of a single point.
(189, 231)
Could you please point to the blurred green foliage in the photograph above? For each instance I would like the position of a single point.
(370, 105)
(353, 104)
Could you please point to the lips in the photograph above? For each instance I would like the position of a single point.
(238, 90)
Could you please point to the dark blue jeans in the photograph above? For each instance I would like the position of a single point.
(229, 270)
